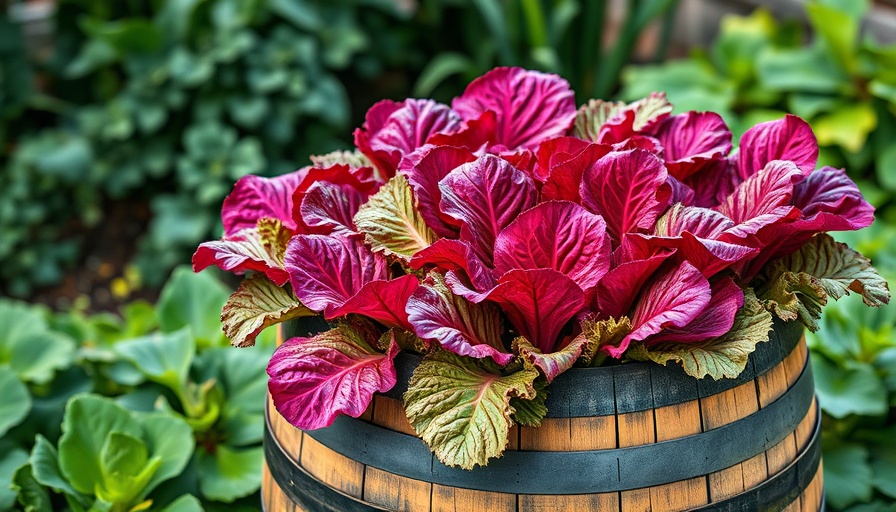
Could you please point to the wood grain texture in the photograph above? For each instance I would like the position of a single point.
(674, 421)
(794, 363)
(333, 469)
(755, 471)
(806, 427)
(637, 500)
(570, 503)
(772, 385)
(389, 413)
(395, 492)
(727, 482)
(635, 428)
(781, 455)
(453, 499)
(289, 437)
(729, 406)
(676, 496)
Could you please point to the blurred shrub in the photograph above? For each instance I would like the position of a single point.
(758, 69)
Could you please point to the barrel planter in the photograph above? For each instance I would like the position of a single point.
(632, 437)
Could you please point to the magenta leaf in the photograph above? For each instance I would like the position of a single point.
(758, 199)
(257, 249)
(538, 303)
(455, 255)
(530, 106)
(485, 196)
(254, 198)
(789, 139)
(558, 235)
(383, 301)
(313, 380)
(460, 326)
(639, 117)
(327, 271)
(393, 130)
(635, 261)
(715, 320)
(629, 189)
(554, 152)
(673, 299)
(329, 207)
(565, 178)
(555, 363)
(424, 169)
(693, 141)
(830, 201)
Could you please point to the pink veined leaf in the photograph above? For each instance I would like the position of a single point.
(327, 271)
(713, 183)
(329, 207)
(521, 158)
(383, 301)
(554, 152)
(629, 189)
(460, 326)
(314, 380)
(635, 261)
(789, 139)
(645, 142)
(239, 253)
(476, 135)
(538, 303)
(641, 117)
(530, 106)
(673, 299)
(424, 169)
(254, 198)
(715, 320)
(693, 141)
(393, 130)
(756, 201)
(554, 363)
(565, 179)
(457, 256)
(485, 196)
(681, 193)
(340, 175)
(558, 235)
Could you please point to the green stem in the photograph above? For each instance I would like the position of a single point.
(662, 47)
(592, 29)
(611, 65)
(538, 34)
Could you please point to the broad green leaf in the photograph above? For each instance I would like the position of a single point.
(856, 389)
(390, 222)
(847, 126)
(193, 300)
(186, 503)
(126, 468)
(245, 380)
(460, 406)
(89, 420)
(257, 304)
(882, 452)
(171, 440)
(162, 358)
(32, 496)
(799, 70)
(36, 356)
(722, 357)
(229, 474)
(847, 475)
(16, 401)
(885, 167)
(838, 30)
(11, 459)
(529, 413)
(45, 467)
(608, 332)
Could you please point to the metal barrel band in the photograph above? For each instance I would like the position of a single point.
(607, 470)
(303, 488)
(571, 394)
(781, 490)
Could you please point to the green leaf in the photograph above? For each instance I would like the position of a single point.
(847, 475)
(439, 68)
(256, 305)
(44, 463)
(839, 31)
(126, 468)
(885, 167)
(193, 300)
(460, 406)
(186, 503)
(847, 126)
(11, 459)
(162, 358)
(244, 376)
(529, 413)
(229, 474)
(88, 421)
(799, 70)
(16, 400)
(169, 439)
(554, 363)
(27, 344)
(723, 357)
(390, 222)
(856, 389)
(31, 495)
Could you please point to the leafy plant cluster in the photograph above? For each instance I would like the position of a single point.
(844, 84)
(511, 236)
(162, 104)
(149, 410)
(854, 361)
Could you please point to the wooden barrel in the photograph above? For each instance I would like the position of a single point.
(633, 437)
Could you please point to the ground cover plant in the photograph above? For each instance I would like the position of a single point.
(511, 236)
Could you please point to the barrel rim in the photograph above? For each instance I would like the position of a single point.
(618, 469)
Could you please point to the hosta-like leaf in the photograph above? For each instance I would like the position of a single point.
(390, 222)
(315, 379)
(460, 406)
(16, 400)
(554, 363)
(724, 356)
(228, 474)
(456, 324)
(255, 305)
